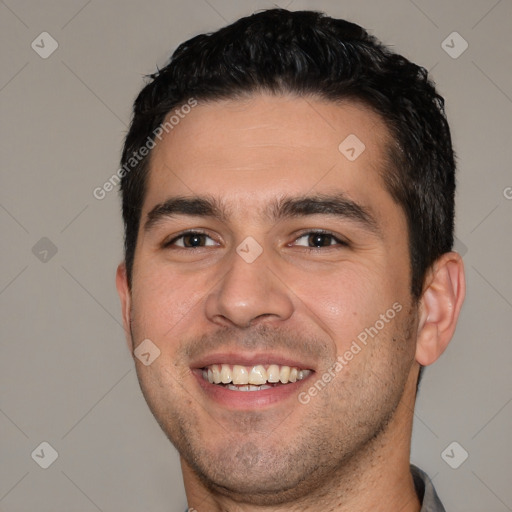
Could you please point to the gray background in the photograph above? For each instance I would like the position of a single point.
(66, 376)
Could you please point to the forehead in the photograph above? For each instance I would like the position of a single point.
(246, 150)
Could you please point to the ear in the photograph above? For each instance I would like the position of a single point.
(124, 292)
(440, 305)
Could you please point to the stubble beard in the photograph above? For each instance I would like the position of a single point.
(252, 463)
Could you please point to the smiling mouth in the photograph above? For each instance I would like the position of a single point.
(252, 378)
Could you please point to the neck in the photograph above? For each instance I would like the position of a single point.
(378, 477)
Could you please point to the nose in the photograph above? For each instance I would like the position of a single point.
(249, 293)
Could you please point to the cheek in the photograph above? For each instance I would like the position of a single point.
(347, 302)
(163, 301)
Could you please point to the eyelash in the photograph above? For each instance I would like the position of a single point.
(340, 242)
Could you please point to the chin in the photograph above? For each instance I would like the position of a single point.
(256, 487)
(254, 473)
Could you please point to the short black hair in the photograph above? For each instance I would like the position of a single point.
(307, 53)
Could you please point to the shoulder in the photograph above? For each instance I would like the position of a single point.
(426, 492)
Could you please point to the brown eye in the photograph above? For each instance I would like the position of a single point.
(190, 240)
(318, 239)
(193, 240)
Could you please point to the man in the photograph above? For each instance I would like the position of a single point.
(288, 188)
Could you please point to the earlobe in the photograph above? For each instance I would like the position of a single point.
(124, 292)
(440, 306)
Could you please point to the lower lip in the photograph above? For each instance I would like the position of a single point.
(248, 400)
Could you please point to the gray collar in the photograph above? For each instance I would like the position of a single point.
(426, 492)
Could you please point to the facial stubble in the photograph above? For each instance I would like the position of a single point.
(270, 458)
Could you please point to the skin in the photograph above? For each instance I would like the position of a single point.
(348, 447)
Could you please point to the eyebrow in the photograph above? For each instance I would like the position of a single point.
(336, 205)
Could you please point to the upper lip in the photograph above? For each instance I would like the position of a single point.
(250, 359)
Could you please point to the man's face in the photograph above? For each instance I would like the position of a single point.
(304, 252)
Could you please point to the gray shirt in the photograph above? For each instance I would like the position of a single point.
(426, 493)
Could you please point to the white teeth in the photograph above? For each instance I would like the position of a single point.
(302, 374)
(240, 375)
(273, 373)
(247, 388)
(258, 375)
(243, 378)
(259, 388)
(225, 374)
(284, 374)
(216, 374)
